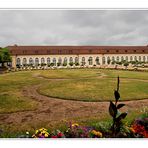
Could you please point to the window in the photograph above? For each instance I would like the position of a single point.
(108, 60)
(117, 50)
(48, 61)
(103, 60)
(54, 61)
(18, 61)
(76, 60)
(24, 61)
(42, 60)
(31, 61)
(97, 61)
(139, 58)
(143, 58)
(65, 60)
(70, 60)
(36, 61)
(113, 58)
(122, 58)
(126, 58)
(117, 58)
(83, 60)
(135, 58)
(90, 51)
(90, 60)
(131, 58)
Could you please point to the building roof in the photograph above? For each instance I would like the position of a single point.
(57, 50)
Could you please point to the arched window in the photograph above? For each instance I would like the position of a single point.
(143, 58)
(36, 61)
(103, 60)
(97, 61)
(31, 61)
(122, 58)
(18, 61)
(54, 61)
(24, 61)
(70, 60)
(131, 58)
(59, 60)
(90, 60)
(139, 58)
(42, 60)
(65, 60)
(108, 60)
(76, 60)
(83, 60)
(48, 61)
(126, 58)
(113, 58)
(135, 58)
(117, 59)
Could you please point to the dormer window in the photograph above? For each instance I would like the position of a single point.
(117, 50)
(125, 50)
(134, 50)
(90, 51)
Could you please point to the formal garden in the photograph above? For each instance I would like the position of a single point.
(73, 103)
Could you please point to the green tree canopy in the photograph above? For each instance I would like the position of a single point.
(5, 55)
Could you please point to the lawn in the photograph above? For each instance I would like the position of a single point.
(28, 113)
(94, 84)
(74, 84)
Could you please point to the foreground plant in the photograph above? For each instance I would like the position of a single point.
(115, 113)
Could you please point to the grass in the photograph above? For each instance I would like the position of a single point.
(77, 84)
(11, 97)
(94, 87)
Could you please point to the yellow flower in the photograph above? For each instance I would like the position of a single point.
(75, 124)
(96, 133)
(46, 135)
(36, 131)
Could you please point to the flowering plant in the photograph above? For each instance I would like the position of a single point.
(41, 133)
(140, 127)
(57, 134)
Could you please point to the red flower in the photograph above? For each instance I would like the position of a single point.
(54, 137)
(60, 135)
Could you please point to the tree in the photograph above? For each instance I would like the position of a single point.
(5, 56)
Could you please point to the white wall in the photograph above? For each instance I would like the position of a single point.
(94, 56)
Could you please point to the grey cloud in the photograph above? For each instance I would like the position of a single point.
(73, 27)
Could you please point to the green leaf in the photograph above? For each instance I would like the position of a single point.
(112, 109)
(117, 95)
(120, 105)
(122, 116)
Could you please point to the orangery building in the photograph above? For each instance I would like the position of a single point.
(75, 55)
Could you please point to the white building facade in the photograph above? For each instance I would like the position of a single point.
(76, 55)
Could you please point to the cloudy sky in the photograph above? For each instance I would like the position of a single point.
(73, 27)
